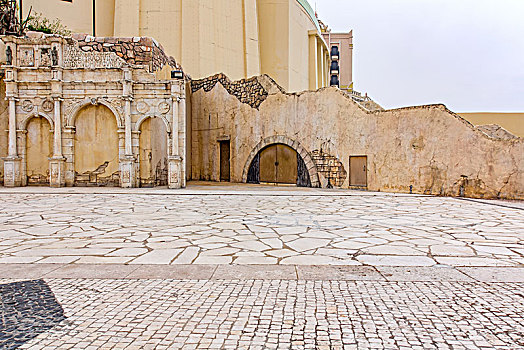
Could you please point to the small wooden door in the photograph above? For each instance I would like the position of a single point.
(225, 166)
(278, 164)
(358, 171)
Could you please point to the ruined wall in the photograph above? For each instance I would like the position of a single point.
(134, 50)
(427, 147)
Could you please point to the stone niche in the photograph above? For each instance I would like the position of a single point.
(78, 113)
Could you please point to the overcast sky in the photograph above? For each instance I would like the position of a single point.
(467, 54)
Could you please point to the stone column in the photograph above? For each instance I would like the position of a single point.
(128, 171)
(12, 163)
(175, 159)
(127, 162)
(57, 162)
(68, 152)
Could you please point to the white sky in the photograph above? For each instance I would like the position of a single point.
(467, 54)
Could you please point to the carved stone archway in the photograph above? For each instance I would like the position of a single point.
(146, 116)
(310, 165)
(23, 123)
(73, 113)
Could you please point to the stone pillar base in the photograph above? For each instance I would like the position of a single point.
(12, 172)
(174, 174)
(127, 172)
(57, 171)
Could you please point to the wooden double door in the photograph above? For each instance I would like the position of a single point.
(278, 164)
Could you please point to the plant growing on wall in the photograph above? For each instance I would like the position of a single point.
(10, 23)
(39, 23)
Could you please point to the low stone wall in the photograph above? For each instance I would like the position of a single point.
(427, 149)
(140, 51)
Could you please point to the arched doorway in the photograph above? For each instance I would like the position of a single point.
(153, 153)
(96, 158)
(279, 164)
(39, 148)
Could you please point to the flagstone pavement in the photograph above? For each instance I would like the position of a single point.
(254, 267)
(291, 228)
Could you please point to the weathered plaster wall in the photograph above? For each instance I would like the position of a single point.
(39, 148)
(153, 152)
(426, 147)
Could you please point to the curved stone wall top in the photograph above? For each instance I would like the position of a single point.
(305, 4)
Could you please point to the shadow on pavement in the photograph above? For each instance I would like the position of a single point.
(27, 309)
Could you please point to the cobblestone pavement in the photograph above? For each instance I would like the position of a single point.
(289, 227)
(256, 314)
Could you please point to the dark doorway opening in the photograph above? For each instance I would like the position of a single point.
(225, 161)
(279, 164)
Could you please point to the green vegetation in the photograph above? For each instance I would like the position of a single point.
(39, 23)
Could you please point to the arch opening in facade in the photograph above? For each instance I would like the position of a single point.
(38, 150)
(279, 164)
(96, 147)
(306, 171)
(153, 152)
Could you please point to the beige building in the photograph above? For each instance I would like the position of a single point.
(341, 54)
(88, 111)
(241, 38)
(512, 122)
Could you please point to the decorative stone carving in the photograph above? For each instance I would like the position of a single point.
(9, 56)
(70, 105)
(142, 107)
(48, 105)
(27, 57)
(117, 104)
(164, 107)
(76, 58)
(54, 56)
(45, 59)
(27, 106)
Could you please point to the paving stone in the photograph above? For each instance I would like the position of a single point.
(26, 271)
(402, 273)
(390, 260)
(267, 272)
(317, 260)
(344, 273)
(179, 272)
(209, 260)
(303, 244)
(102, 271)
(497, 274)
(255, 260)
(472, 261)
(159, 256)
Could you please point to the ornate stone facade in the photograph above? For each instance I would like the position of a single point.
(91, 97)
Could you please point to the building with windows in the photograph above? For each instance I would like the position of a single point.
(240, 38)
(341, 54)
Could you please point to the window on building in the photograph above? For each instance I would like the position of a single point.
(334, 51)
